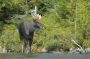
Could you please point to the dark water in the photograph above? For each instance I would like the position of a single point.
(47, 56)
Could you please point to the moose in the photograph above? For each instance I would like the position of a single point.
(26, 32)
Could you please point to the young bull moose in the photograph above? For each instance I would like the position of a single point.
(26, 32)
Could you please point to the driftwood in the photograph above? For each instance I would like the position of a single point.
(80, 49)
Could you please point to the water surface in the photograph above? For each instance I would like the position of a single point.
(46, 56)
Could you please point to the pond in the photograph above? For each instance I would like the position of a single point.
(46, 56)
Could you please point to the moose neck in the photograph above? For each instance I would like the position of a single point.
(35, 20)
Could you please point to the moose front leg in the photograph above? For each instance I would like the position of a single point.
(30, 44)
(30, 41)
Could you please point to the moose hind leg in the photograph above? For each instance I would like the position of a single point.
(23, 46)
(27, 51)
(28, 47)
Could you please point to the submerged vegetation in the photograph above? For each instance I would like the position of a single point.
(63, 19)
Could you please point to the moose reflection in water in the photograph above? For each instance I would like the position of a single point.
(26, 32)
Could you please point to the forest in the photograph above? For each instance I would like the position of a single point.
(64, 20)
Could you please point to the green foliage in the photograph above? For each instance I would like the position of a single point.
(59, 17)
(10, 38)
